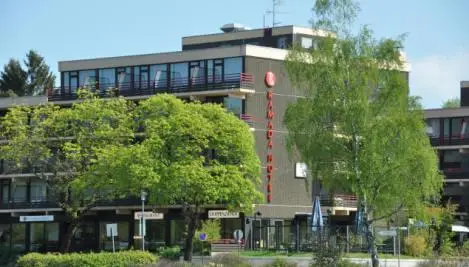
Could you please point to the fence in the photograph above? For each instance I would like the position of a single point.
(303, 238)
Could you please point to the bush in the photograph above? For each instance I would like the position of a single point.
(279, 262)
(212, 228)
(8, 255)
(166, 263)
(230, 260)
(464, 249)
(104, 259)
(415, 245)
(173, 253)
(327, 257)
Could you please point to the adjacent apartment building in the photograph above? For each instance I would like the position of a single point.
(448, 130)
(227, 68)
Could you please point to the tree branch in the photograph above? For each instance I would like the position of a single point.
(398, 209)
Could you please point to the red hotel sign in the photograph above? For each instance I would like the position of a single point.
(269, 83)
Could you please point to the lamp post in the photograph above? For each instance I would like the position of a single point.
(253, 227)
(143, 197)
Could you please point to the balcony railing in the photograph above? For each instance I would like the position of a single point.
(339, 200)
(456, 173)
(449, 141)
(177, 85)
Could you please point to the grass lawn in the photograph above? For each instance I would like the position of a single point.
(267, 253)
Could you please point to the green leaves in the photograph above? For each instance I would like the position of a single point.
(357, 113)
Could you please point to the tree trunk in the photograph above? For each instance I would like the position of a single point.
(370, 238)
(192, 220)
(66, 240)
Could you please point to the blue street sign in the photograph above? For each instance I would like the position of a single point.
(203, 237)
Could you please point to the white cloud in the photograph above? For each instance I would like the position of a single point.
(437, 78)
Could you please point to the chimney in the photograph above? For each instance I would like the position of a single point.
(464, 94)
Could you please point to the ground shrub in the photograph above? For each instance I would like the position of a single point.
(168, 263)
(415, 245)
(8, 255)
(229, 260)
(170, 253)
(279, 262)
(104, 259)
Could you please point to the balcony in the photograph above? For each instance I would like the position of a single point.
(239, 83)
(456, 173)
(449, 141)
(340, 204)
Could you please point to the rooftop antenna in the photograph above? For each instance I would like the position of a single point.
(274, 11)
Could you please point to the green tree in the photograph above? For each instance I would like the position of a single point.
(34, 79)
(13, 78)
(60, 147)
(357, 128)
(192, 155)
(40, 78)
(451, 103)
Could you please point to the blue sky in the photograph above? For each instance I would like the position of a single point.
(437, 45)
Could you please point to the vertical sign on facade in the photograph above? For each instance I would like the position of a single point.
(269, 83)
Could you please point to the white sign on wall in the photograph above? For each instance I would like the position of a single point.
(301, 170)
(41, 218)
(217, 214)
(149, 215)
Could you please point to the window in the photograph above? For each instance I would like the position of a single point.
(19, 193)
(5, 191)
(107, 79)
(233, 68)
(456, 124)
(179, 74)
(306, 42)
(197, 72)
(38, 191)
(446, 128)
(124, 77)
(18, 236)
(66, 81)
(433, 127)
(158, 76)
(282, 43)
(234, 105)
(5, 235)
(451, 156)
(36, 236)
(144, 77)
(87, 78)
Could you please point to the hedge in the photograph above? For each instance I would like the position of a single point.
(103, 259)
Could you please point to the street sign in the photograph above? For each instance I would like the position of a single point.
(148, 215)
(387, 233)
(217, 214)
(111, 229)
(203, 237)
(238, 234)
(40, 218)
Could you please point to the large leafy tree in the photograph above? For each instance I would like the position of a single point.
(60, 146)
(357, 127)
(191, 155)
(451, 103)
(34, 79)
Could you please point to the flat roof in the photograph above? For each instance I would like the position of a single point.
(172, 57)
(446, 112)
(248, 34)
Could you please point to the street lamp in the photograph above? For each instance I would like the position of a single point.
(253, 227)
(143, 197)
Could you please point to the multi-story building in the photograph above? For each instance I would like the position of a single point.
(227, 68)
(448, 130)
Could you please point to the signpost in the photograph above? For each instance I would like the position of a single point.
(203, 237)
(111, 231)
(40, 218)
